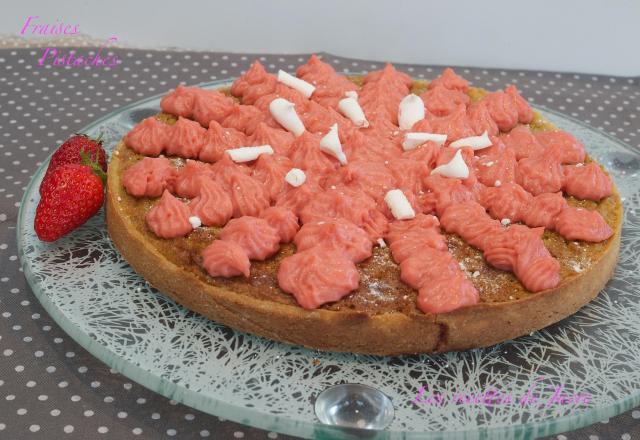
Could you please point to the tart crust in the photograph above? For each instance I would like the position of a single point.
(259, 307)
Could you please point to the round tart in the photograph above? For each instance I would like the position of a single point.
(354, 296)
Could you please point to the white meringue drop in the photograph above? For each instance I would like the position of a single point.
(456, 167)
(473, 142)
(247, 154)
(330, 144)
(300, 85)
(350, 108)
(410, 111)
(284, 112)
(399, 205)
(295, 177)
(414, 140)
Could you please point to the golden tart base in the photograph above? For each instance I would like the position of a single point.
(379, 318)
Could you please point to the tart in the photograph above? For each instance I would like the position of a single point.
(378, 214)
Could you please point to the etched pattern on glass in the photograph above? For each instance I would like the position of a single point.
(88, 287)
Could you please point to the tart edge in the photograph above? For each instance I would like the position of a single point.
(392, 333)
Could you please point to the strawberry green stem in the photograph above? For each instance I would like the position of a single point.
(94, 165)
(97, 139)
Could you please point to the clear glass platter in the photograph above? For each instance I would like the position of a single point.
(593, 356)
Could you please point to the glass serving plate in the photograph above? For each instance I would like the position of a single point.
(593, 356)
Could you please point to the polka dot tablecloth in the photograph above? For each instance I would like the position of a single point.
(52, 388)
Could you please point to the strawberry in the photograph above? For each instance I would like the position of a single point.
(70, 196)
(69, 152)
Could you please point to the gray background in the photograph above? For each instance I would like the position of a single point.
(52, 388)
(570, 35)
